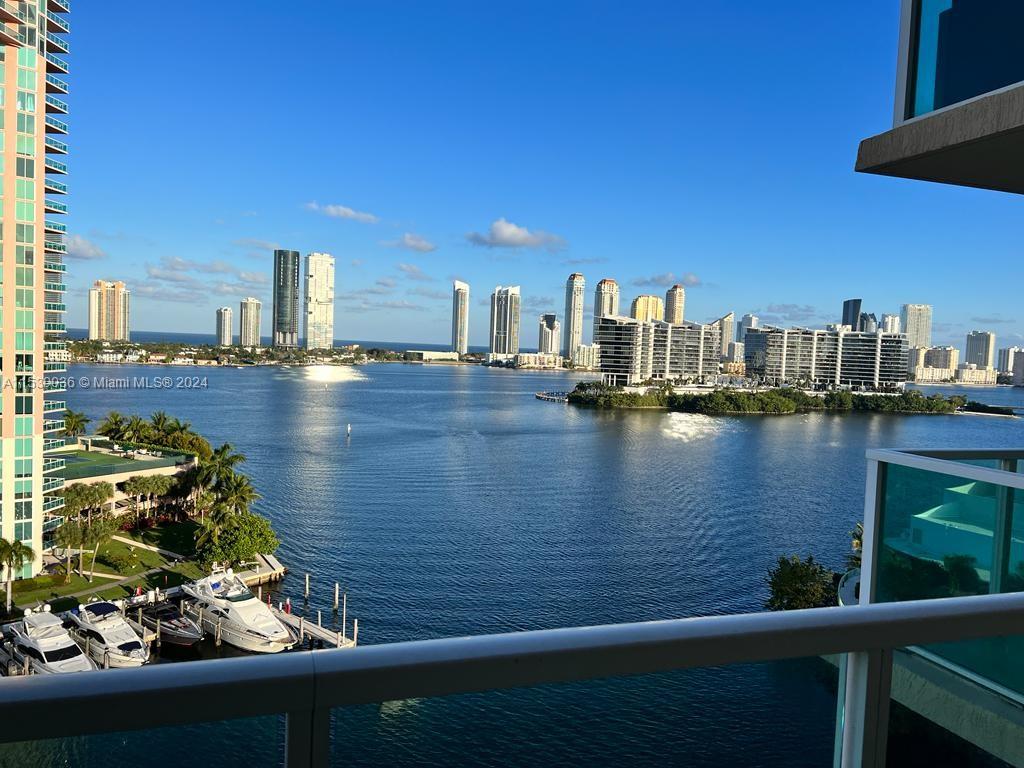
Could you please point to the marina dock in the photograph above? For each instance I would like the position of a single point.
(266, 570)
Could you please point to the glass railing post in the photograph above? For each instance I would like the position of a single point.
(308, 738)
(1002, 535)
(874, 499)
(865, 726)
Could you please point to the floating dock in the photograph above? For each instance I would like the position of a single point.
(553, 397)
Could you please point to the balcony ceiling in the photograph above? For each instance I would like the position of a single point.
(979, 143)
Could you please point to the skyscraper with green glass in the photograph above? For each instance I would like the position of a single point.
(32, 316)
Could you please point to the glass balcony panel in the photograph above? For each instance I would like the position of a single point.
(255, 741)
(773, 714)
(962, 49)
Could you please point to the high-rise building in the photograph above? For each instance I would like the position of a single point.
(834, 357)
(675, 304)
(868, 322)
(33, 272)
(550, 334)
(747, 322)
(225, 333)
(574, 288)
(647, 308)
(634, 351)
(319, 301)
(916, 322)
(286, 299)
(249, 322)
(505, 302)
(851, 313)
(1007, 357)
(606, 298)
(460, 317)
(109, 311)
(725, 325)
(947, 358)
(891, 324)
(981, 349)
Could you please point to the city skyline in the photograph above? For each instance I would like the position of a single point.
(397, 245)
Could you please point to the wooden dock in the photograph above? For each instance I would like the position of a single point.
(309, 630)
(266, 570)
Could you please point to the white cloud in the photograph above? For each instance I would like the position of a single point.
(413, 272)
(256, 244)
(342, 212)
(412, 242)
(504, 234)
(82, 248)
(668, 279)
(428, 293)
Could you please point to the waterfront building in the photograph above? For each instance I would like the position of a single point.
(647, 308)
(550, 334)
(542, 360)
(941, 357)
(33, 272)
(747, 322)
(868, 322)
(981, 349)
(725, 325)
(969, 373)
(916, 323)
(319, 301)
(109, 311)
(1007, 356)
(834, 358)
(1018, 371)
(250, 319)
(286, 299)
(675, 304)
(891, 323)
(460, 317)
(504, 337)
(225, 332)
(735, 352)
(574, 288)
(606, 298)
(587, 357)
(851, 314)
(634, 351)
(430, 356)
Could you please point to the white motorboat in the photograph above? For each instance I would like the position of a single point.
(41, 641)
(102, 631)
(224, 605)
(165, 617)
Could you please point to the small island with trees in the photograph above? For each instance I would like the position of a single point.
(779, 400)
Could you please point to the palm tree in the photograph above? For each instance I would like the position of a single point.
(97, 532)
(135, 486)
(223, 462)
(135, 430)
(13, 555)
(236, 493)
(112, 426)
(156, 486)
(161, 422)
(74, 423)
(69, 536)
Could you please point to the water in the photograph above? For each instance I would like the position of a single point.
(460, 505)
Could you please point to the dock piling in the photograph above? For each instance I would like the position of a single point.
(319, 623)
(336, 597)
(355, 631)
(344, 611)
(302, 629)
(158, 633)
(307, 587)
(217, 636)
(259, 593)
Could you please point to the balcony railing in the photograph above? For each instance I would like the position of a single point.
(55, 287)
(50, 406)
(54, 246)
(58, 6)
(51, 524)
(55, 502)
(55, 64)
(9, 12)
(53, 104)
(57, 24)
(53, 145)
(54, 43)
(54, 266)
(54, 206)
(52, 444)
(56, 166)
(54, 327)
(53, 483)
(53, 425)
(9, 36)
(306, 686)
(55, 227)
(55, 84)
(53, 125)
(53, 465)
(55, 306)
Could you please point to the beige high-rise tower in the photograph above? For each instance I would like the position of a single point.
(646, 308)
(675, 304)
(109, 311)
(33, 271)
(319, 301)
(249, 311)
(606, 299)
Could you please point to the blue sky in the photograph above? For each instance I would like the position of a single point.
(648, 142)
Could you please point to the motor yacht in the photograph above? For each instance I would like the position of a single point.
(223, 604)
(102, 631)
(41, 641)
(174, 627)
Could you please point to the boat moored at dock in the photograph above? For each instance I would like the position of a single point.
(224, 607)
(40, 644)
(102, 631)
(164, 619)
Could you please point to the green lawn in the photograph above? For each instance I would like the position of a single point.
(175, 537)
(118, 557)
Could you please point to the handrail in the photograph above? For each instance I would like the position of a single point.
(945, 466)
(305, 685)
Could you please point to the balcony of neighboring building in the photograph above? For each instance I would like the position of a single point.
(54, 246)
(55, 288)
(55, 367)
(54, 265)
(55, 105)
(58, 6)
(54, 227)
(53, 483)
(52, 406)
(53, 125)
(959, 111)
(9, 35)
(9, 12)
(54, 186)
(55, 64)
(52, 444)
(53, 425)
(57, 24)
(53, 465)
(55, 44)
(53, 503)
(56, 84)
(55, 166)
(54, 206)
(55, 146)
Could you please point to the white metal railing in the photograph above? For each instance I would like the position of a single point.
(305, 686)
